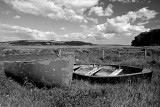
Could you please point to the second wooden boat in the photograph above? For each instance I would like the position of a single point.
(96, 73)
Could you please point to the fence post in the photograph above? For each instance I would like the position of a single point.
(60, 53)
(145, 53)
(103, 54)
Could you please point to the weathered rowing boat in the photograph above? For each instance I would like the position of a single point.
(44, 72)
(96, 73)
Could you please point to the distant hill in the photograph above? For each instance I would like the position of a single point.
(151, 38)
(48, 42)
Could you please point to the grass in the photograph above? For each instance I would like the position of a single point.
(83, 94)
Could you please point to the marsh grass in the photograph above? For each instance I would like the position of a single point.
(84, 94)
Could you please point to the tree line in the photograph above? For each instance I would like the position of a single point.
(150, 38)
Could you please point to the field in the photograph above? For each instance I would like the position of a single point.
(81, 93)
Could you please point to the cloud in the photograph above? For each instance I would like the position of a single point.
(88, 34)
(98, 10)
(143, 14)
(102, 36)
(9, 32)
(125, 25)
(77, 36)
(81, 36)
(120, 26)
(125, 1)
(55, 9)
(93, 20)
(131, 1)
(62, 28)
(17, 17)
(78, 5)
(146, 14)
(83, 26)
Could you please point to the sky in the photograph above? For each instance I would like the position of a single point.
(94, 21)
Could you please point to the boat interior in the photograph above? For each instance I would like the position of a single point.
(98, 70)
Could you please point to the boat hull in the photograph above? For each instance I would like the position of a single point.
(131, 75)
(47, 72)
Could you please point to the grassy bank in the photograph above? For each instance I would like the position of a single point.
(83, 94)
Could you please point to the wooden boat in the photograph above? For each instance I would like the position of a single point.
(44, 72)
(96, 73)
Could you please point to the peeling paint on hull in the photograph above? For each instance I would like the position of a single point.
(47, 72)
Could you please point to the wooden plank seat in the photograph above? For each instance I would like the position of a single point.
(93, 71)
(116, 72)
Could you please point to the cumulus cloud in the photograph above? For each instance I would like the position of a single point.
(120, 26)
(89, 34)
(120, 29)
(131, 1)
(83, 36)
(62, 28)
(17, 17)
(102, 36)
(77, 36)
(78, 5)
(125, 1)
(71, 10)
(83, 26)
(143, 14)
(98, 10)
(94, 20)
(123, 25)
(9, 32)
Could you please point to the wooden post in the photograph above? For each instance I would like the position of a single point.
(145, 53)
(103, 53)
(60, 53)
(119, 59)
